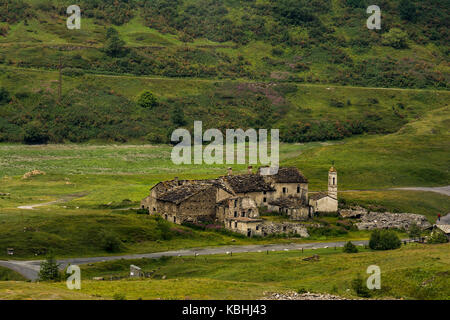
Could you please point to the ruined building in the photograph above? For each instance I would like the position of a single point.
(235, 200)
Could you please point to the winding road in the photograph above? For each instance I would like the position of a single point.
(30, 269)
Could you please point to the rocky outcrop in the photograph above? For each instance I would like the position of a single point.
(302, 296)
(354, 212)
(387, 220)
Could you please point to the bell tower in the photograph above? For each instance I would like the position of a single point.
(332, 183)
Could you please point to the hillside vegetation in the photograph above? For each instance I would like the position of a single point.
(234, 63)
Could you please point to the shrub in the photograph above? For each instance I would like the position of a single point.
(437, 236)
(49, 270)
(384, 240)
(349, 247)
(395, 38)
(414, 232)
(114, 45)
(34, 134)
(147, 100)
(4, 96)
(360, 289)
(112, 244)
(407, 10)
(119, 296)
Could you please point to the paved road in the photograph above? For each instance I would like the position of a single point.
(442, 190)
(30, 269)
(444, 220)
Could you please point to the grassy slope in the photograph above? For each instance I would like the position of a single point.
(126, 172)
(10, 275)
(250, 275)
(15, 290)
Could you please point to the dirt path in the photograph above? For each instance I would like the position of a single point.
(67, 198)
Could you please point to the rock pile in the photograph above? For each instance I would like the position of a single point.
(32, 174)
(387, 220)
(302, 296)
(354, 212)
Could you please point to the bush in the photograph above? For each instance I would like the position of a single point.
(119, 296)
(147, 100)
(384, 240)
(114, 45)
(34, 134)
(414, 232)
(395, 38)
(437, 236)
(349, 247)
(49, 270)
(112, 244)
(360, 289)
(4, 96)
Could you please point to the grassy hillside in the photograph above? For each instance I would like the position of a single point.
(104, 108)
(313, 41)
(412, 272)
(262, 60)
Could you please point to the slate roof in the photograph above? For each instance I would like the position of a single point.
(289, 175)
(290, 203)
(248, 183)
(318, 195)
(245, 219)
(183, 192)
(444, 227)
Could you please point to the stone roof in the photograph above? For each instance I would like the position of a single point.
(318, 195)
(245, 219)
(444, 227)
(289, 203)
(289, 175)
(179, 194)
(247, 183)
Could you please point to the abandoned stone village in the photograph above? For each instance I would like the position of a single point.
(236, 200)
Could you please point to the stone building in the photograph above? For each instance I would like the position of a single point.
(235, 200)
(326, 202)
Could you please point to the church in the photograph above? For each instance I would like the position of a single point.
(236, 200)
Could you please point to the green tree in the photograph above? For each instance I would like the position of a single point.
(112, 244)
(395, 38)
(147, 100)
(384, 240)
(437, 236)
(349, 247)
(407, 10)
(35, 134)
(49, 269)
(4, 96)
(178, 116)
(414, 232)
(114, 45)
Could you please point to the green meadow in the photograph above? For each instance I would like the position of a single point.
(411, 272)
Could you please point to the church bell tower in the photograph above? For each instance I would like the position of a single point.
(332, 183)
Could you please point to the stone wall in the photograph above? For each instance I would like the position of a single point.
(283, 228)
